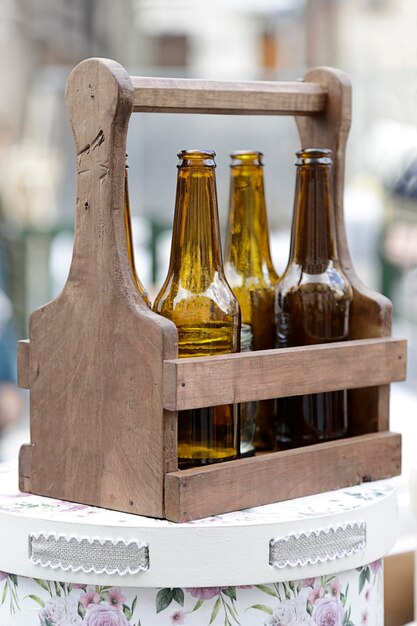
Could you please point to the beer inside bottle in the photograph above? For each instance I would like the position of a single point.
(312, 301)
(251, 275)
(129, 239)
(198, 299)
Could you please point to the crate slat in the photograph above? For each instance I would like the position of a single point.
(209, 381)
(225, 487)
(166, 95)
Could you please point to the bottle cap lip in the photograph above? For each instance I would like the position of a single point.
(306, 156)
(246, 157)
(197, 158)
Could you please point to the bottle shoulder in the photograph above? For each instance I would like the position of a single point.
(332, 279)
(216, 301)
(265, 279)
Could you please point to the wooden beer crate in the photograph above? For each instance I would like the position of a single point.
(103, 370)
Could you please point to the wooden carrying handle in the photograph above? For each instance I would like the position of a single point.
(100, 433)
(165, 95)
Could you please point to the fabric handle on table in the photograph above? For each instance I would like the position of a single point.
(88, 555)
(317, 546)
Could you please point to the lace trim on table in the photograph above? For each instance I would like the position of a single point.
(88, 555)
(317, 546)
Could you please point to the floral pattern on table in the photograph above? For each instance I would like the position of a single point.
(353, 598)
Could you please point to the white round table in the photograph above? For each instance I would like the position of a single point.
(311, 561)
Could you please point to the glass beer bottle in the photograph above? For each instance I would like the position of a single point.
(312, 301)
(198, 299)
(251, 275)
(129, 239)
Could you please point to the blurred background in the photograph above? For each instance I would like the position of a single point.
(374, 41)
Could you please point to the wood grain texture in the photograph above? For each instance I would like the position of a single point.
(105, 380)
(201, 492)
(182, 95)
(192, 383)
(25, 467)
(382, 410)
(23, 380)
(96, 351)
(371, 312)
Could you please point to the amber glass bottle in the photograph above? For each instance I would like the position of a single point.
(198, 299)
(251, 275)
(129, 239)
(312, 301)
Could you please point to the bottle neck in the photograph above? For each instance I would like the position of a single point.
(313, 236)
(196, 252)
(247, 248)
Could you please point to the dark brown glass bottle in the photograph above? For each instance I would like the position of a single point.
(129, 240)
(198, 299)
(312, 301)
(251, 275)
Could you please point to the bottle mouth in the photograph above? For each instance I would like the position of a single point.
(246, 157)
(196, 158)
(311, 156)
